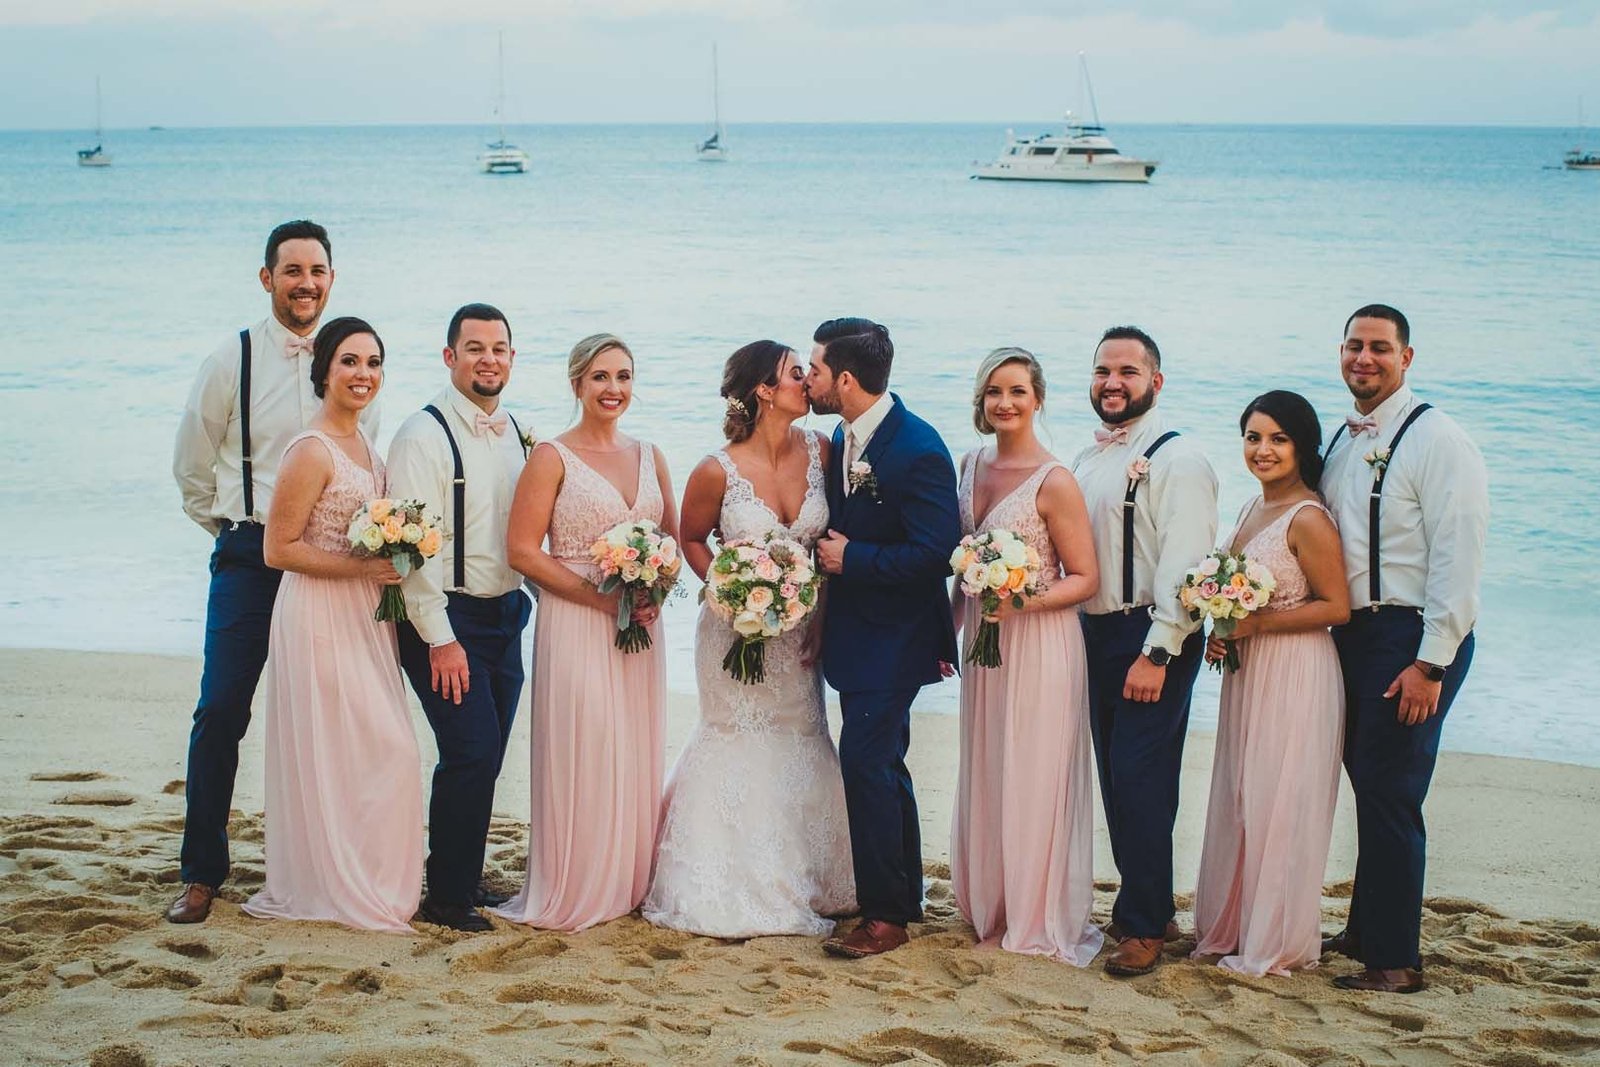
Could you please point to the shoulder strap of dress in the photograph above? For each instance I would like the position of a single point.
(726, 463)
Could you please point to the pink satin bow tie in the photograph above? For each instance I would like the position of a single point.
(495, 424)
(1104, 438)
(298, 346)
(1360, 424)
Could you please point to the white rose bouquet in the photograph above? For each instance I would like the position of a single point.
(763, 589)
(1226, 587)
(993, 567)
(642, 562)
(400, 531)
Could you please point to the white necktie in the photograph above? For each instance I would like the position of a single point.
(849, 458)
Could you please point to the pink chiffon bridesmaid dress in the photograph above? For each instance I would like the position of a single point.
(343, 782)
(1274, 782)
(597, 744)
(1022, 836)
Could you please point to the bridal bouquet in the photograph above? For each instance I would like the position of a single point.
(1225, 587)
(994, 567)
(763, 588)
(641, 561)
(401, 532)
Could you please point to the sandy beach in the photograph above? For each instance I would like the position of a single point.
(91, 808)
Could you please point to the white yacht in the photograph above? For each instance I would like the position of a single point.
(501, 156)
(96, 156)
(1578, 159)
(1081, 153)
(714, 149)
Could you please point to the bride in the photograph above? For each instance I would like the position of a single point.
(754, 838)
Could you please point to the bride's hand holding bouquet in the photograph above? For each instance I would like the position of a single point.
(762, 589)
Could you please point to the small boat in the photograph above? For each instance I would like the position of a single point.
(96, 156)
(500, 156)
(1578, 159)
(712, 149)
(1082, 153)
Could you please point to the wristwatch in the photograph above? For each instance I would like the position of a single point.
(1431, 671)
(1157, 655)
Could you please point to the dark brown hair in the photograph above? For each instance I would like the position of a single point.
(754, 365)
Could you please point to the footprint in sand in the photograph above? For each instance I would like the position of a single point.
(548, 992)
(68, 776)
(155, 976)
(97, 798)
(194, 950)
(120, 1055)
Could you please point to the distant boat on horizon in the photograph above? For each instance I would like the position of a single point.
(501, 156)
(1578, 159)
(714, 149)
(96, 156)
(1082, 153)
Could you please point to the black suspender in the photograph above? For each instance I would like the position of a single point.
(244, 426)
(1127, 524)
(459, 489)
(1379, 470)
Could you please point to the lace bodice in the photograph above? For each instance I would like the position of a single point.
(328, 526)
(745, 516)
(1017, 511)
(1270, 547)
(587, 505)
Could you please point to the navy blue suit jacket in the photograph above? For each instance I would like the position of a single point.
(887, 621)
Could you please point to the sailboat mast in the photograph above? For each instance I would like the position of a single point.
(1088, 85)
(716, 92)
(99, 136)
(500, 85)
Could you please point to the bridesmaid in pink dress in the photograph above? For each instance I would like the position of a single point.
(343, 786)
(1280, 731)
(597, 742)
(1022, 837)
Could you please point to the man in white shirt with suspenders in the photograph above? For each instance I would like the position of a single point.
(251, 396)
(462, 648)
(1411, 494)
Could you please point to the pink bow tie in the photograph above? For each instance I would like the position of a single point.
(495, 424)
(1104, 438)
(298, 346)
(1360, 424)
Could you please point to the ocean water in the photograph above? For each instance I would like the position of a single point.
(1242, 257)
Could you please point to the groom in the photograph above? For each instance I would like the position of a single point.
(893, 524)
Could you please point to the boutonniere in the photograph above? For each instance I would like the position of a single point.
(529, 440)
(1377, 459)
(1138, 470)
(862, 478)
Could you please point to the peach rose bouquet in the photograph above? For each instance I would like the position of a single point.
(639, 560)
(1226, 587)
(763, 589)
(994, 567)
(401, 532)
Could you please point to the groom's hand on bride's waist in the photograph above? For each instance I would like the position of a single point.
(830, 552)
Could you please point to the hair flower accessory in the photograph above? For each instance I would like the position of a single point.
(1139, 470)
(735, 405)
(1377, 459)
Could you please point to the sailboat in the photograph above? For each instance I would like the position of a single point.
(1578, 159)
(713, 149)
(501, 156)
(1083, 153)
(96, 156)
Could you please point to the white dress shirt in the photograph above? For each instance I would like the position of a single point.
(1174, 523)
(1433, 520)
(207, 459)
(858, 433)
(421, 468)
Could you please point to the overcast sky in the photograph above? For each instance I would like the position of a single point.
(291, 62)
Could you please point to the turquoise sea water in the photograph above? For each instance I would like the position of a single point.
(1242, 257)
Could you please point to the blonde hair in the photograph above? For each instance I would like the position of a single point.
(1000, 357)
(586, 351)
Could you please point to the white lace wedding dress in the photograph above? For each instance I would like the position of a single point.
(754, 838)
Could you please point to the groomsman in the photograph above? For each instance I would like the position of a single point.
(1411, 494)
(462, 648)
(253, 394)
(1152, 499)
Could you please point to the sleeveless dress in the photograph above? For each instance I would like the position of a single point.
(754, 838)
(1022, 836)
(343, 787)
(597, 741)
(1274, 783)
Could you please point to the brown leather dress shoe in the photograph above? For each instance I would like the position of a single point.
(1114, 932)
(193, 905)
(872, 938)
(1401, 980)
(1343, 944)
(1134, 955)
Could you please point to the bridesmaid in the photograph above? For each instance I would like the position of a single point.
(1022, 839)
(343, 793)
(597, 741)
(1275, 776)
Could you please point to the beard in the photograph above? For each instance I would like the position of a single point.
(824, 404)
(488, 390)
(1131, 409)
(290, 315)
